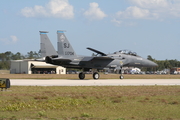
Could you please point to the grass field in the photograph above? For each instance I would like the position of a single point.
(91, 103)
(4, 71)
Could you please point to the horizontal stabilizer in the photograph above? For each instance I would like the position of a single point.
(51, 60)
(62, 59)
(96, 51)
(40, 59)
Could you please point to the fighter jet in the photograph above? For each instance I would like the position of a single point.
(68, 58)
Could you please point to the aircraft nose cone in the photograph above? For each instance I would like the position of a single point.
(149, 63)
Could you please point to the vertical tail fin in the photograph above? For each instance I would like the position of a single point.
(64, 47)
(47, 49)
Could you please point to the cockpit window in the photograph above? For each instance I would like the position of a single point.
(127, 52)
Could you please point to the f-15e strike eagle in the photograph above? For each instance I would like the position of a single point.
(68, 58)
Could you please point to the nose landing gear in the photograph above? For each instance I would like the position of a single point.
(121, 75)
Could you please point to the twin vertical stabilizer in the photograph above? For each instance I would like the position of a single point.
(64, 47)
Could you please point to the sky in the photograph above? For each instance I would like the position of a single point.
(147, 27)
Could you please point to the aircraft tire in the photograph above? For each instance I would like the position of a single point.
(81, 75)
(96, 75)
(121, 77)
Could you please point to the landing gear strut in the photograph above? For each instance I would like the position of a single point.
(120, 72)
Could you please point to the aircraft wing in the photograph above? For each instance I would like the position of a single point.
(97, 58)
(96, 51)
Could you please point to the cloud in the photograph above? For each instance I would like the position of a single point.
(150, 10)
(136, 13)
(94, 12)
(117, 22)
(162, 8)
(55, 8)
(34, 12)
(13, 39)
(150, 3)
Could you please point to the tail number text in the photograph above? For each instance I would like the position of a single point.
(69, 53)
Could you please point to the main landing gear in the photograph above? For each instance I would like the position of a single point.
(121, 75)
(95, 75)
(81, 75)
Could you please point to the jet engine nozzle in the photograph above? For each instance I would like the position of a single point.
(48, 59)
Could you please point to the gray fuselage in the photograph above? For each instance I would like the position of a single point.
(110, 61)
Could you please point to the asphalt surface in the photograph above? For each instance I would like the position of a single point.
(100, 82)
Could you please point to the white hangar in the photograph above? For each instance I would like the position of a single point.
(34, 67)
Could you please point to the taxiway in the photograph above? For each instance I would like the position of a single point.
(100, 82)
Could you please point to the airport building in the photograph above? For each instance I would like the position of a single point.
(34, 67)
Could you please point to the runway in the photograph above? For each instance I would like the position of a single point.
(100, 82)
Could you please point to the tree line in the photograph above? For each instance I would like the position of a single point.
(6, 57)
(163, 64)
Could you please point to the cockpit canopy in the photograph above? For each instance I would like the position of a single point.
(127, 52)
